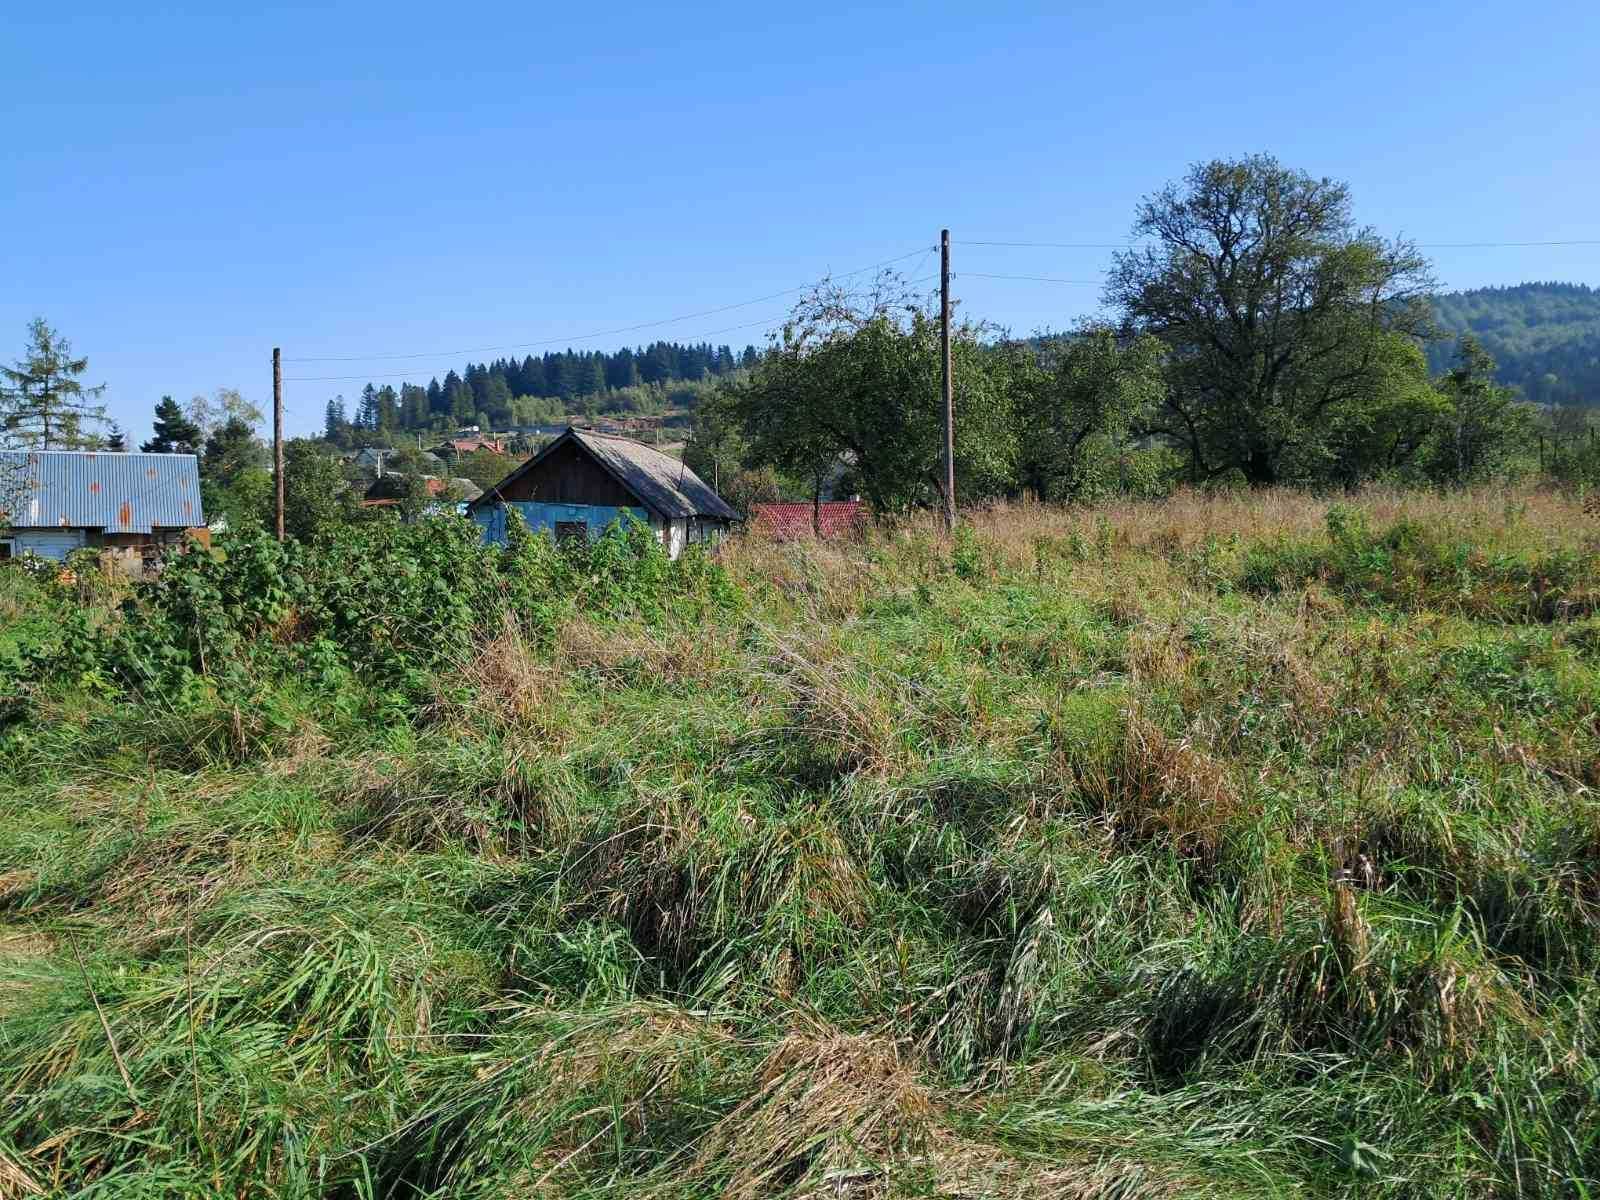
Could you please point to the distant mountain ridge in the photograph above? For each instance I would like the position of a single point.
(1544, 336)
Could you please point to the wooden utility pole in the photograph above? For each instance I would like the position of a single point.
(949, 390)
(277, 435)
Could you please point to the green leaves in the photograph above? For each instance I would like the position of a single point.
(384, 603)
(1277, 311)
(860, 389)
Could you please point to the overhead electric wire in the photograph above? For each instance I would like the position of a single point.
(1500, 245)
(1031, 278)
(922, 251)
(442, 354)
(768, 322)
(1049, 245)
(1420, 245)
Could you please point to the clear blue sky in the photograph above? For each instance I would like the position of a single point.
(182, 187)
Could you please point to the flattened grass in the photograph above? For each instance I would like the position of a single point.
(1232, 846)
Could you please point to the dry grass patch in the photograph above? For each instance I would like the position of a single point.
(848, 1115)
(507, 681)
(628, 656)
(831, 706)
(158, 890)
(830, 1111)
(1160, 788)
(473, 792)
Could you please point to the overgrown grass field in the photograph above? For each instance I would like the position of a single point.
(1232, 846)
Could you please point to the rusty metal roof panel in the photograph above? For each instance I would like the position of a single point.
(119, 493)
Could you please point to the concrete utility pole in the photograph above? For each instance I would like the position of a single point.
(277, 435)
(949, 390)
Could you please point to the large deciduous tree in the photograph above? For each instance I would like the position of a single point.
(208, 414)
(1276, 309)
(43, 403)
(1080, 396)
(853, 384)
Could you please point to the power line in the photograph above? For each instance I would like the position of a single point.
(613, 332)
(1498, 245)
(1056, 245)
(769, 322)
(1420, 245)
(1032, 278)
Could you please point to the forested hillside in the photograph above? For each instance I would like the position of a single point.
(1544, 336)
(535, 389)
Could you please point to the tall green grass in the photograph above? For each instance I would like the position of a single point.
(1229, 847)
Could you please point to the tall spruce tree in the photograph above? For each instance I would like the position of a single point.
(175, 433)
(367, 410)
(413, 406)
(43, 404)
(533, 377)
(458, 394)
(335, 424)
(388, 408)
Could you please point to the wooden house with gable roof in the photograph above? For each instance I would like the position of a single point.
(583, 482)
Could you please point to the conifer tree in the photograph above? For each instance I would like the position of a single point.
(533, 377)
(459, 397)
(175, 433)
(335, 423)
(367, 410)
(388, 408)
(413, 406)
(43, 405)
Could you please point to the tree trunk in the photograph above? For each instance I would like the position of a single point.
(1260, 470)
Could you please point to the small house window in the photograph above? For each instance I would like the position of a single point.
(8, 549)
(572, 531)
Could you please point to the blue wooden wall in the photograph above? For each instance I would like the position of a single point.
(544, 516)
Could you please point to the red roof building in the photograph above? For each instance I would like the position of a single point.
(785, 522)
(470, 446)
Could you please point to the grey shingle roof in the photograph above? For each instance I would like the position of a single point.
(120, 493)
(658, 479)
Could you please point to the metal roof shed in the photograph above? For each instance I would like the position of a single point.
(54, 501)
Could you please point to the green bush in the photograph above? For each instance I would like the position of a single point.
(388, 602)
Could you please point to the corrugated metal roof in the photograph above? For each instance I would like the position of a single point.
(120, 493)
(658, 479)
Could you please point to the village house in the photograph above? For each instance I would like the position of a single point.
(458, 447)
(448, 495)
(584, 481)
(53, 502)
(373, 460)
